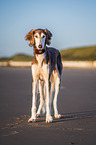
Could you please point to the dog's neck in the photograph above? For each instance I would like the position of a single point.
(40, 55)
(36, 51)
(40, 58)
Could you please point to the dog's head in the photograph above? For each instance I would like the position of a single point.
(39, 38)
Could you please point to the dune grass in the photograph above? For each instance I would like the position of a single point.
(82, 53)
(21, 57)
(17, 57)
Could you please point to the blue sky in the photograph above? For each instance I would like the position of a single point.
(72, 23)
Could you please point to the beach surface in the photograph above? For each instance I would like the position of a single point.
(76, 103)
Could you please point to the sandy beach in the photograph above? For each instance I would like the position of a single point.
(76, 103)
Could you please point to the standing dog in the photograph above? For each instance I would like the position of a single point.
(46, 70)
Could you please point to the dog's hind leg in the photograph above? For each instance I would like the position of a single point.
(41, 90)
(49, 118)
(57, 88)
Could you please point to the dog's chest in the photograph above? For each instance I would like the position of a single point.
(40, 70)
(40, 59)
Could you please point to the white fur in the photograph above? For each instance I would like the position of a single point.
(40, 58)
(56, 85)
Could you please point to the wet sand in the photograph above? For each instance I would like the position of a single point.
(76, 102)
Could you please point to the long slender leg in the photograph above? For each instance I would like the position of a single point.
(47, 94)
(52, 90)
(43, 108)
(48, 113)
(57, 87)
(33, 109)
(41, 90)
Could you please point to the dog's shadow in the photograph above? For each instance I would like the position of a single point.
(23, 121)
(71, 116)
(75, 116)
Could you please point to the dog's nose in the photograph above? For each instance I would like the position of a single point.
(40, 46)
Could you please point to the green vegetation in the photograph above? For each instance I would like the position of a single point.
(4, 59)
(83, 53)
(17, 57)
(21, 57)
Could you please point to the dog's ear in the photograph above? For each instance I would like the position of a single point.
(48, 36)
(30, 37)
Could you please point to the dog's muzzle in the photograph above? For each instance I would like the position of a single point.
(40, 46)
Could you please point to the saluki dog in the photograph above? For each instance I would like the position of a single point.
(46, 71)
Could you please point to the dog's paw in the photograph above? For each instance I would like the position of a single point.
(49, 119)
(32, 120)
(57, 115)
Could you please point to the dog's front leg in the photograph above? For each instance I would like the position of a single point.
(33, 109)
(41, 90)
(48, 109)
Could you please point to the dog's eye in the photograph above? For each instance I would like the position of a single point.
(36, 36)
(43, 36)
